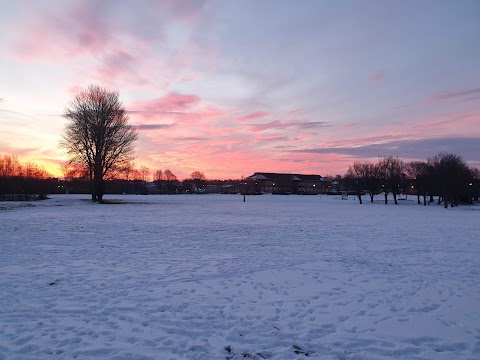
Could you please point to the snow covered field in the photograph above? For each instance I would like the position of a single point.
(211, 277)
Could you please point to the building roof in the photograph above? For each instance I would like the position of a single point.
(282, 176)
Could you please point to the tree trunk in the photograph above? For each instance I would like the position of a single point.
(100, 189)
(371, 198)
(424, 199)
(93, 190)
(395, 199)
(98, 180)
(418, 198)
(446, 201)
(360, 198)
(386, 198)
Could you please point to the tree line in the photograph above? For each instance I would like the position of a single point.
(23, 181)
(99, 143)
(129, 179)
(444, 175)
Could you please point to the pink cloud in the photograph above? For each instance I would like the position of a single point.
(349, 126)
(148, 127)
(170, 103)
(108, 49)
(297, 112)
(176, 117)
(120, 64)
(187, 11)
(278, 125)
(252, 116)
(271, 138)
(376, 77)
(237, 162)
(230, 152)
(59, 36)
(118, 48)
(191, 138)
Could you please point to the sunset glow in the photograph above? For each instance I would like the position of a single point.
(233, 87)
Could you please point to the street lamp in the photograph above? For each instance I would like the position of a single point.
(470, 193)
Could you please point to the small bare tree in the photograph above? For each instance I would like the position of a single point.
(391, 170)
(145, 173)
(158, 175)
(170, 179)
(97, 135)
(356, 178)
(126, 170)
(453, 174)
(158, 179)
(198, 178)
(372, 179)
(419, 172)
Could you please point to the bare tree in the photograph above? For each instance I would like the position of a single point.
(72, 171)
(170, 179)
(158, 175)
(474, 185)
(391, 170)
(419, 172)
(126, 170)
(198, 178)
(197, 175)
(364, 177)
(372, 179)
(136, 175)
(98, 135)
(158, 180)
(145, 171)
(356, 178)
(453, 175)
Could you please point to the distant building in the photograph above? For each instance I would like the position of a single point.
(279, 183)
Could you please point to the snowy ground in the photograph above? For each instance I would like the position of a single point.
(211, 277)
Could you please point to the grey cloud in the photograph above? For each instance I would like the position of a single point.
(191, 138)
(277, 124)
(457, 94)
(155, 112)
(153, 126)
(272, 138)
(468, 148)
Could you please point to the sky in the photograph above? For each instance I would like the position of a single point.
(230, 87)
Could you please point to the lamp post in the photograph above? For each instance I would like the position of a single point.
(470, 193)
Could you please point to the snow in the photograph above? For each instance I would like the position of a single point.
(212, 277)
